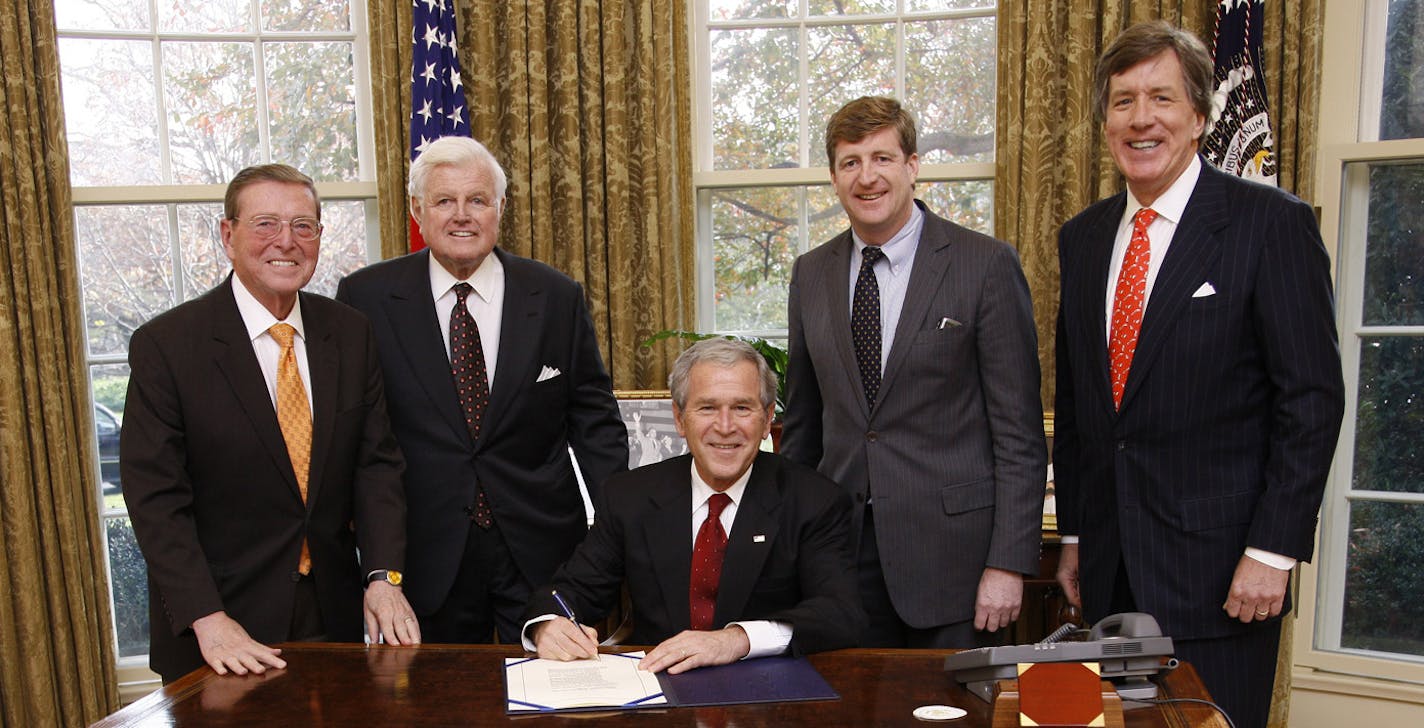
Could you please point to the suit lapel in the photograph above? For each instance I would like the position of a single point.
(1195, 248)
(237, 363)
(411, 311)
(1097, 259)
(932, 258)
(745, 555)
(324, 363)
(668, 534)
(835, 287)
(521, 325)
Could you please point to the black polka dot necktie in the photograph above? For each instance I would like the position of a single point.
(707, 563)
(865, 323)
(467, 364)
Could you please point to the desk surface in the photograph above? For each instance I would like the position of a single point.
(435, 685)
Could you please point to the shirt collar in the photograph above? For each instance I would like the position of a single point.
(482, 280)
(257, 318)
(1170, 204)
(897, 250)
(701, 491)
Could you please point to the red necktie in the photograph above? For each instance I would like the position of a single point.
(467, 363)
(707, 563)
(1128, 302)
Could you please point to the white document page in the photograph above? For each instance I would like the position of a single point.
(611, 681)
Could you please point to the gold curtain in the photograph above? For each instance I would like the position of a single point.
(585, 103)
(390, 33)
(56, 657)
(1051, 161)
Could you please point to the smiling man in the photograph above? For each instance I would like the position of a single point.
(913, 383)
(494, 372)
(1199, 382)
(257, 457)
(728, 552)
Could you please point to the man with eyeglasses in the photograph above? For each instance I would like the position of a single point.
(494, 373)
(257, 456)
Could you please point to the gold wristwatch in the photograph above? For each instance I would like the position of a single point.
(390, 576)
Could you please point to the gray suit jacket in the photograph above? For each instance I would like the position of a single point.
(953, 452)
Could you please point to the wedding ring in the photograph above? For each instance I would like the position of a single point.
(1259, 613)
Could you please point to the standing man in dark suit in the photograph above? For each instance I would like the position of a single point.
(913, 382)
(728, 552)
(257, 457)
(494, 372)
(1199, 381)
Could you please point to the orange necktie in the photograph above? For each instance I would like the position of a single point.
(294, 417)
(1129, 300)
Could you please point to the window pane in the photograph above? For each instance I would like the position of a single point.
(343, 244)
(129, 581)
(1402, 102)
(212, 110)
(921, 5)
(124, 270)
(754, 99)
(110, 112)
(306, 15)
(1389, 454)
(754, 242)
(969, 203)
(850, 7)
(1394, 253)
(949, 83)
(109, 384)
(740, 9)
(311, 102)
(200, 244)
(208, 16)
(846, 62)
(101, 14)
(1384, 596)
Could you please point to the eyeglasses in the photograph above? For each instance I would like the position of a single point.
(268, 227)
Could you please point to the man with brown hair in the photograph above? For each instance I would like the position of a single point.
(913, 383)
(257, 457)
(1199, 382)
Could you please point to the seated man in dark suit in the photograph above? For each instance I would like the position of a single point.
(770, 571)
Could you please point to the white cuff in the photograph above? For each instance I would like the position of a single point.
(1273, 560)
(766, 637)
(1067, 540)
(524, 640)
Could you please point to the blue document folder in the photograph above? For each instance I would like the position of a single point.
(762, 680)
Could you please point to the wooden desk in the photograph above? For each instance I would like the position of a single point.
(438, 685)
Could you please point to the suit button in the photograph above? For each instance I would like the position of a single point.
(871, 436)
(296, 576)
(1121, 445)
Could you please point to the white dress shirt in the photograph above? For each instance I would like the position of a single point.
(485, 304)
(257, 319)
(892, 275)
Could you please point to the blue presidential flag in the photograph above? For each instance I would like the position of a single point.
(437, 93)
(1240, 140)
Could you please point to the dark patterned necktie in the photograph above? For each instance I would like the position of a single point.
(865, 323)
(1129, 300)
(467, 364)
(707, 563)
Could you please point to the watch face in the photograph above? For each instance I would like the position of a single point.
(393, 578)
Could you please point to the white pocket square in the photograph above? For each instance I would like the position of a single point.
(547, 373)
(1206, 290)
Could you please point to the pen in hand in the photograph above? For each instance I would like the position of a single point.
(569, 612)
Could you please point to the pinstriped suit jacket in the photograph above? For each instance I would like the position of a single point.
(953, 452)
(1231, 409)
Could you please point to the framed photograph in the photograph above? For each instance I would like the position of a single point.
(652, 434)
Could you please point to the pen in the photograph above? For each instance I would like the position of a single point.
(568, 611)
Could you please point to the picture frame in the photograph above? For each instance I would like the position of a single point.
(652, 432)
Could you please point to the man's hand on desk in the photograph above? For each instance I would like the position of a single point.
(1068, 574)
(226, 646)
(389, 616)
(563, 639)
(999, 598)
(689, 649)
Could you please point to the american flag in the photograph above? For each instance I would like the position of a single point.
(437, 97)
(1240, 141)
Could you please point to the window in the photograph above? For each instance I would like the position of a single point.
(164, 101)
(1367, 612)
(768, 74)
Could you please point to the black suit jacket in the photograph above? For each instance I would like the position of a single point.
(1231, 408)
(521, 457)
(953, 451)
(787, 558)
(211, 491)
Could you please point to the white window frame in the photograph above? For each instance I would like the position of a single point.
(813, 171)
(1352, 74)
(134, 677)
